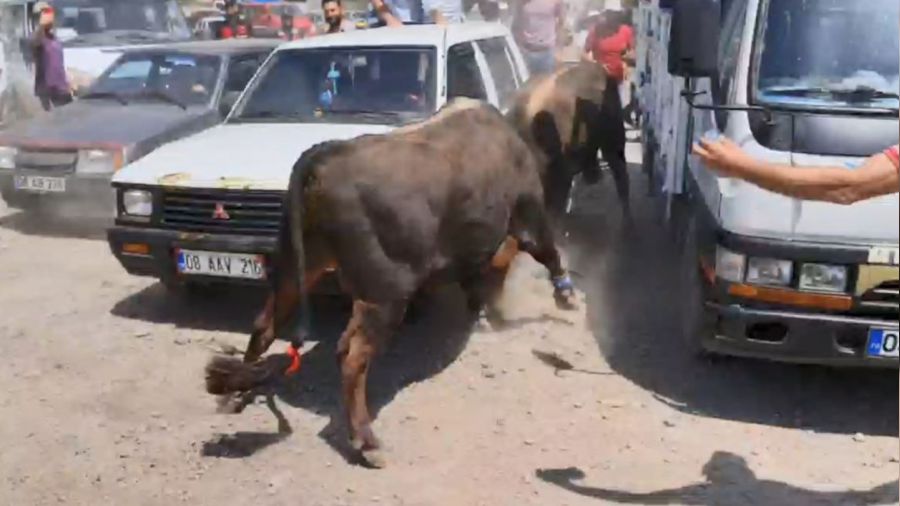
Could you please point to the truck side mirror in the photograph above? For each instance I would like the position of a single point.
(694, 38)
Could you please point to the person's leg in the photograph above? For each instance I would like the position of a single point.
(540, 62)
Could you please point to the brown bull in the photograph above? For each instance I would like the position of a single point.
(447, 199)
(566, 117)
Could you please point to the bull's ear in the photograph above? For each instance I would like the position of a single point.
(694, 38)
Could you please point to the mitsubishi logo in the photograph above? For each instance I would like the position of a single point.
(220, 213)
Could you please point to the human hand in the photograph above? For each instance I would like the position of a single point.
(724, 156)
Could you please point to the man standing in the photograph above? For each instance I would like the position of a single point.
(50, 83)
(536, 26)
(335, 21)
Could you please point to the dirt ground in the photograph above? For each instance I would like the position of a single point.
(102, 399)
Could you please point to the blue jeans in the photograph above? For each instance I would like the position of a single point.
(540, 62)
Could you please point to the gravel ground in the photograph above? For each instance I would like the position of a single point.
(103, 403)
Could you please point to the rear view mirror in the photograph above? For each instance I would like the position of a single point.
(694, 38)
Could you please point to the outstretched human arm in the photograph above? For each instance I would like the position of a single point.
(879, 174)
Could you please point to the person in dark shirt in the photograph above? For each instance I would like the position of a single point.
(51, 85)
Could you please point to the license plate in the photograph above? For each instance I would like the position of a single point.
(229, 265)
(40, 184)
(884, 343)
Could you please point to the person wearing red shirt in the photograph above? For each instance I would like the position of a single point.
(610, 43)
(878, 175)
(607, 42)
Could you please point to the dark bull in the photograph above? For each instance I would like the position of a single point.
(451, 198)
(566, 117)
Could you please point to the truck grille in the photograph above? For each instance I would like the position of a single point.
(885, 296)
(46, 160)
(222, 211)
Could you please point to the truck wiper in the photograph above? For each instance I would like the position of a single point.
(362, 112)
(276, 115)
(858, 94)
(105, 94)
(164, 97)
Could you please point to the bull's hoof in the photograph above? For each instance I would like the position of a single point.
(564, 293)
(373, 458)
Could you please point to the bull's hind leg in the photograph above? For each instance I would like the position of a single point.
(281, 307)
(368, 331)
(531, 228)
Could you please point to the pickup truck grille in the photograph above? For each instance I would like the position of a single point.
(222, 211)
(46, 160)
(885, 296)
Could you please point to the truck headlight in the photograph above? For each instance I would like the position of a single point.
(8, 157)
(137, 203)
(823, 278)
(730, 265)
(98, 161)
(769, 271)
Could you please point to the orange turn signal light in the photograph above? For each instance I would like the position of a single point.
(136, 248)
(792, 297)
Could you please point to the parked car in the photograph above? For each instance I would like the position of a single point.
(208, 208)
(148, 97)
(94, 32)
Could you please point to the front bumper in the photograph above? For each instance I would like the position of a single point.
(84, 196)
(160, 261)
(796, 337)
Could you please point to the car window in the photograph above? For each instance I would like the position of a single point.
(500, 63)
(343, 84)
(463, 75)
(186, 79)
(241, 70)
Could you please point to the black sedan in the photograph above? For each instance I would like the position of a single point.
(63, 160)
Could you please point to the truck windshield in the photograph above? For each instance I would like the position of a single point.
(379, 85)
(829, 53)
(91, 22)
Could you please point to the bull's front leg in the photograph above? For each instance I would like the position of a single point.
(366, 334)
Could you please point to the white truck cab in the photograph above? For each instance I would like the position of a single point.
(208, 207)
(800, 83)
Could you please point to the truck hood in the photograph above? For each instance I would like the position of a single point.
(749, 210)
(248, 156)
(95, 122)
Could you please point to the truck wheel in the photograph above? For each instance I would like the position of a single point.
(697, 323)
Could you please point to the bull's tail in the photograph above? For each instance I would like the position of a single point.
(226, 375)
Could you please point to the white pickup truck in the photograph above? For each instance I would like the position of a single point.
(207, 208)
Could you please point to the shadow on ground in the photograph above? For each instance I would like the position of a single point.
(48, 225)
(215, 308)
(633, 313)
(729, 480)
(420, 350)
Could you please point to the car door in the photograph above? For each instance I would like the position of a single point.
(468, 75)
(241, 70)
(501, 66)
